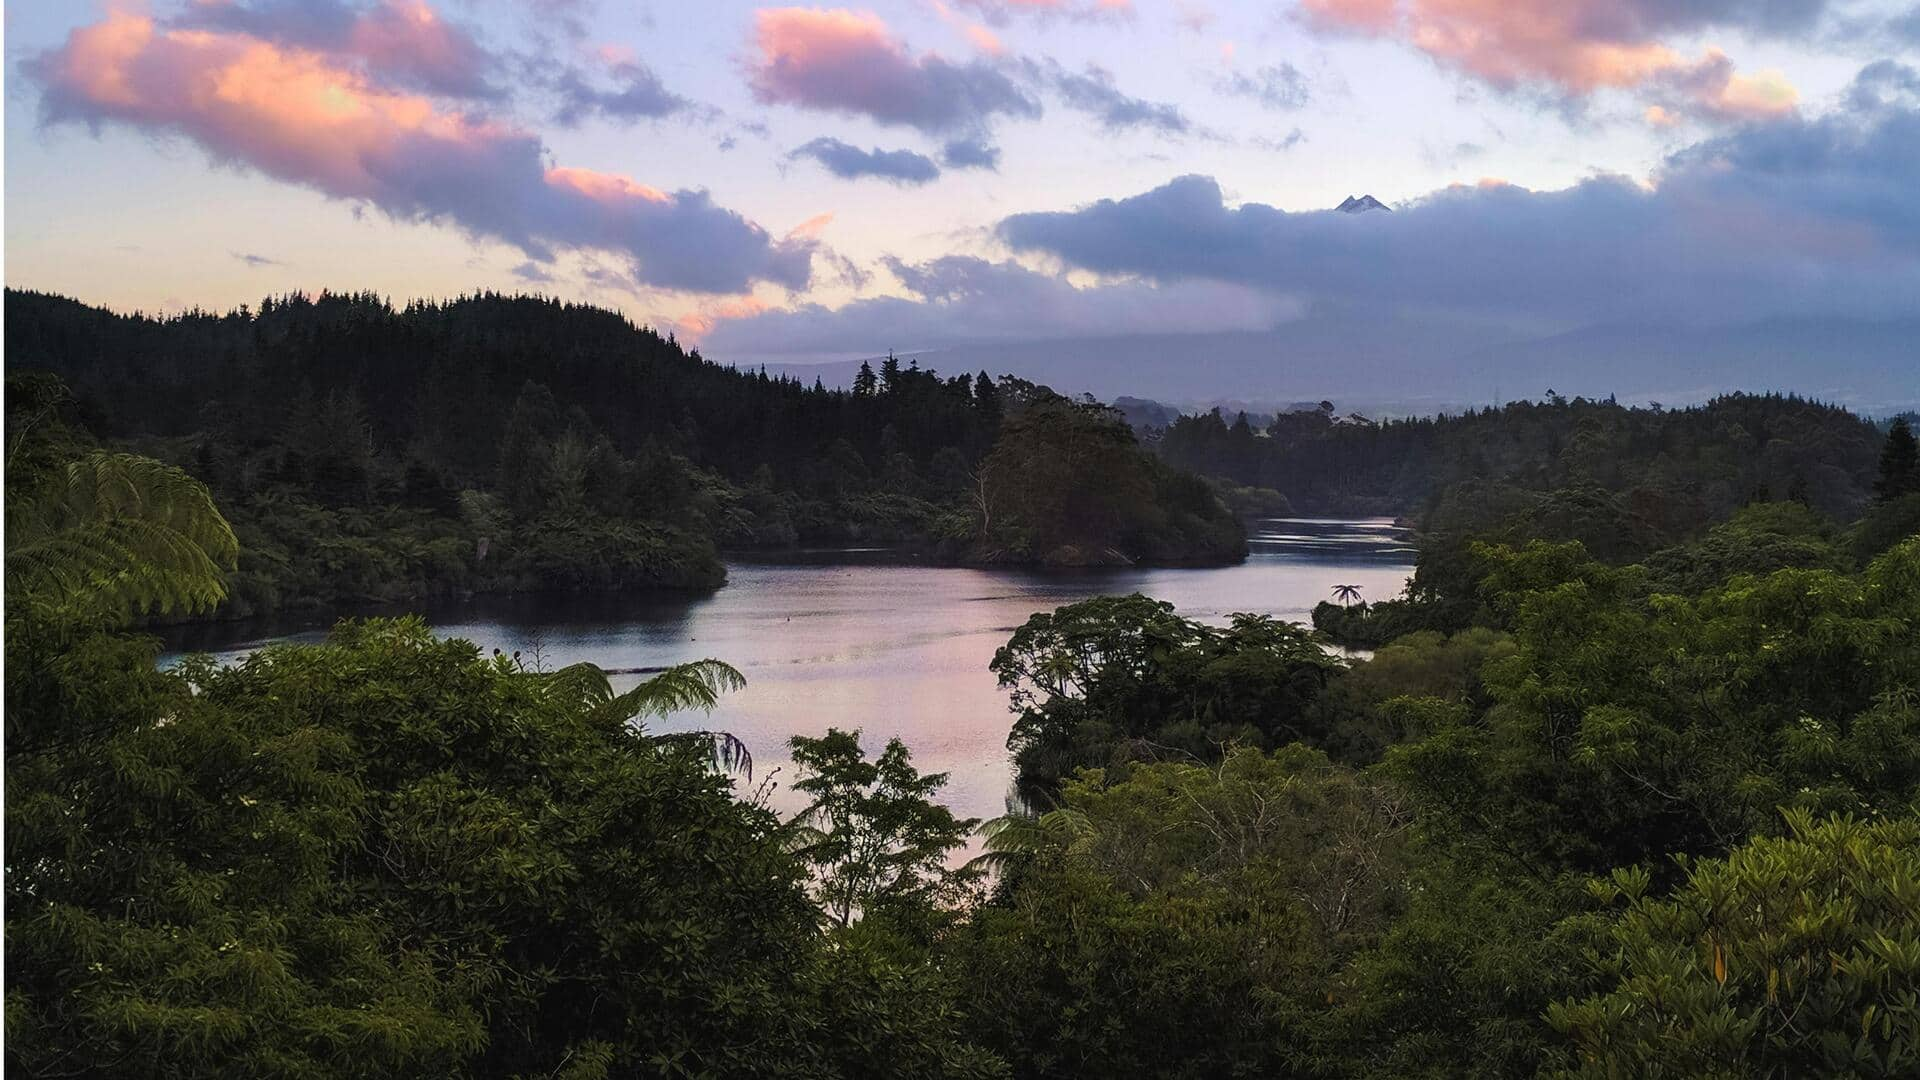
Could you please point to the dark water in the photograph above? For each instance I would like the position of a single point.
(889, 649)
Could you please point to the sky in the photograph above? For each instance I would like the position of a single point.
(817, 182)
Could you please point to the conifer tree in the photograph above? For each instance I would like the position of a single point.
(1899, 463)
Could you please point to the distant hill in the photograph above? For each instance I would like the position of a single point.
(1405, 366)
(490, 443)
(1659, 473)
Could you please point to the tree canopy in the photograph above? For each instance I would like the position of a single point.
(509, 443)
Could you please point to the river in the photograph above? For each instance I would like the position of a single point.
(890, 649)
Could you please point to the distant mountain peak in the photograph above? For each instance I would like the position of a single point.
(1360, 204)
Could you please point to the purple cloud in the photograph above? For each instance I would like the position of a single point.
(1093, 92)
(849, 162)
(402, 43)
(1276, 86)
(850, 63)
(637, 94)
(1803, 216)
(298, 116)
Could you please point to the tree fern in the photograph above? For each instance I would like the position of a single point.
(116, 535)
(1017, 837)
(695, 685)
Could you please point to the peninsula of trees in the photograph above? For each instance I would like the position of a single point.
(493, 443)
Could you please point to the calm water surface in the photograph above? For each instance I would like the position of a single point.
(889, 649)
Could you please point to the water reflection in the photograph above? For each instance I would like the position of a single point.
(889, 647)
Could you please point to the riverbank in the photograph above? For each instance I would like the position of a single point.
(868, 639)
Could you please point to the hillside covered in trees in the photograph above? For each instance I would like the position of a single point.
(1760, 481)
(495, 443)
(1674, 471)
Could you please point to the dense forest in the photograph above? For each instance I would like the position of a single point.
(494, 443)
(1676, 470)
(1745, 481)
(1657, 817)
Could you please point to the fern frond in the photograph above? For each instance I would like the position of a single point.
(725, 749)
(582, 684)
(1014, 838)
(119, 535)
(695, 685)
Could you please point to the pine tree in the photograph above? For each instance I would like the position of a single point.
(1899, 463)
(986, 398)
(889, 374)
(863, 383)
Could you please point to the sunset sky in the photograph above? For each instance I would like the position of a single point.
(811, 182)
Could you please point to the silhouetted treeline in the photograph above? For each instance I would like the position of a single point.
(436, 384)
(1678, 469)
(491, 443)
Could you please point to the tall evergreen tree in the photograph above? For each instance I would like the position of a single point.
(986, 398)
(1899, 463)
(889, 373)
(863, 383)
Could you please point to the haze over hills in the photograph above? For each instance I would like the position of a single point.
(1415, 365)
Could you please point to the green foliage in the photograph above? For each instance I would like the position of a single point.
(1370, 625)
(369, 454)
(1649, 474)
(388, 856)
(877, 842)
(1249, 503)
(1885, 525)
(1796, 955)
(680, 688)
(1138, 930)
(1067, 485)
(1187, 922)
(1386, 699)
(112, 536)
(1758, 539)
(1457, 984)
(1899, 463)
(1624, 727)
(1110, 680)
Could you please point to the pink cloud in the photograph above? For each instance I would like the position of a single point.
(837, 60)
(1577, 47)
(399, 34)
(300, 116)
(700, 321)
(978, 35)
(402, 42)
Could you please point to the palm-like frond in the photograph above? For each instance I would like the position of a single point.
(1014, 838)
(118, 534)
(728, 753)
(801, 833)
(695, 685)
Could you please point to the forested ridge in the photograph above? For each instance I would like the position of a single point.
(502, 443)
(1747, 481)
(1652, 818)
(1677, 469)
